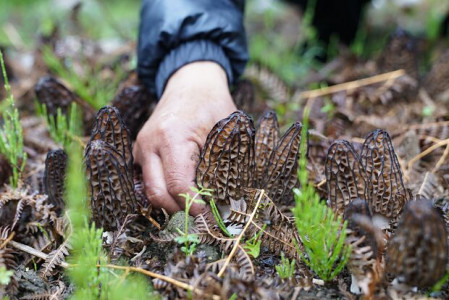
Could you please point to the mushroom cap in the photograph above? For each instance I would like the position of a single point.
(387, 191)
(227, 159)
(111, 185)
(54, 176)
(417, 253)
(346, 179)
(266, 140)
(281, 173)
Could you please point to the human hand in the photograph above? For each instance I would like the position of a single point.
(168, 145)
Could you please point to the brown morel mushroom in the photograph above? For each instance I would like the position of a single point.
(388, 194)
(134, 104)
(280, 175)
(110, 128)
(267, 137)
(346, 179)
(54, 95)
(417, 253)
(5, 170)
(54, 176)
(365, 263)
(227, 158)
(243, 95)
(400, 53)
(110, 184)
(436, 82)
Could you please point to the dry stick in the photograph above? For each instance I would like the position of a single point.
(32, 251)
(40, 254)
(351, 84)
(5, 242)
(442, 159)
(427, 151)
(237, 242)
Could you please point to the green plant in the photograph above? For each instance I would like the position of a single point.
(286, 269)
(322, 234)
(63, 128)
(190, 240)
(11, 138)
(218, 218)
(5, 275)
(88, 262)
(252, 246)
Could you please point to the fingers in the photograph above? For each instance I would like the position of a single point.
(179, 170)
(155, 186)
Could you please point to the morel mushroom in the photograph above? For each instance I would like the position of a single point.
(54, 95)
(54, 176)
(5, 170)
(400, 53)
(417, 254)
(345, 177)
(436, 82)
(388, 194)
(110, 128)
(227, 158)
(134, 103)
(111, 185)
(267, 136)
(243, 95)
(280, 175)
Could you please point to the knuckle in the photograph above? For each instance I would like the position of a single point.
(176, 185)
(155, 195)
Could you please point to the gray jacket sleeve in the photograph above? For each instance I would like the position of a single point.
(174, 33)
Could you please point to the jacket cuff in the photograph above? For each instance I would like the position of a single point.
(197, 50)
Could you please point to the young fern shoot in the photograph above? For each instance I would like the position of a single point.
(11, 138)
(322, 233)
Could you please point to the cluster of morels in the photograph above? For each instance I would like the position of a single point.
(368, 190)
(237, 161)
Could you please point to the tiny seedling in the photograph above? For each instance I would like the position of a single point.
(11, 138)
(286, 268)
(191, 240)
(252, 246)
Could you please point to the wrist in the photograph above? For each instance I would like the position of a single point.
(204, 75)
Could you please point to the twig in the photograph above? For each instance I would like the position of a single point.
(159, 276)
(175, 282)
(427, 151)
(5, 242)
(351, 84)
(32, 251)
(237, 242)
(442, 159)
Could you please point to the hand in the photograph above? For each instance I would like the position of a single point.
(168, 146)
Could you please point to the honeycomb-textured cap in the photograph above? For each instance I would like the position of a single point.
(54, 176)
(281, 173)
(346, 179)
(387, 191)
(227, 159)
(110, 184)
(267, 138)
(417, 253)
